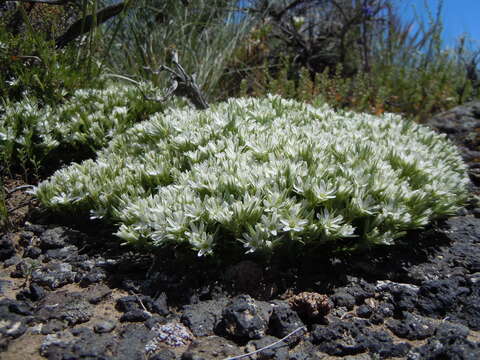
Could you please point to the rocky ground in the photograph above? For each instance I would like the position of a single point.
(74, 293)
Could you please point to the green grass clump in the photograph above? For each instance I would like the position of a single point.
(31, 132)
(265, 172)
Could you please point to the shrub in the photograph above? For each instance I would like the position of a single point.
(265, 172)
(32, 67)
(30, 133)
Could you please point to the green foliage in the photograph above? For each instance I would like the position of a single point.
(266, 172)
(205, 33)
(32, 134)
(416, 93)
(32, 67)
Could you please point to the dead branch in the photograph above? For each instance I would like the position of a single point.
(182, 84)
(89, 22)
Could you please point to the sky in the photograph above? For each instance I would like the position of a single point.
(459, 17)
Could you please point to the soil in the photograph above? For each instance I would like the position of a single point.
(72, 292)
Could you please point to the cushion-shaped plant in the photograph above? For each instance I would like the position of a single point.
(265, 171)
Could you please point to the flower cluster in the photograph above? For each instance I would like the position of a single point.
(265, 171)
(88, 118)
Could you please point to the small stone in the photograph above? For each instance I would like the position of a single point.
(135, 316)
(364, 311)
(160, 305)
(203, 318)
(243, 318)
(93, 277)
(36, 292)
(104, 326)
(33, 252)
(164, 354)
(53, 238)
(343, 299)
(14, 260)
(284, 320)
(127, 303)
(7, 247)
(411, 327)
(54, 275)
(65, 253)
(20, 308)
(53, 326)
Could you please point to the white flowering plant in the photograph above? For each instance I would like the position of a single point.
(86, 121)
(265, 172)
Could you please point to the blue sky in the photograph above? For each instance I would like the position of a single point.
(459, 17)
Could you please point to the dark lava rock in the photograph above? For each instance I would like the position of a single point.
(245, 318)
(33, 252)
(53, 326)
(54, 275)
(449, 342)
(364, 311)
(204, 317)
(404, 296)
(342, 298)
(276, 352)
(36, 292)
(284, 320)
(71, 307)
(55, 346)
(448, 331)
(343, 338)
(359, 289)
(411, 327)
(338, 338)
(460, 124)
(381, 312)
(160, 305)
(14, 260)
(211, 347)
(53, 238)
(33, 293)
(437, 297)
(104, 326)
(64, 253)
(20, 308)
(93, 277)
(127, 303)
(130, 303)
(435, 349)
(12, 323)
(164, 354)
(7, 247)
(381, 344)
(135, 316)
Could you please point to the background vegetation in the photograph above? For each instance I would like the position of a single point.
(354, 54)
